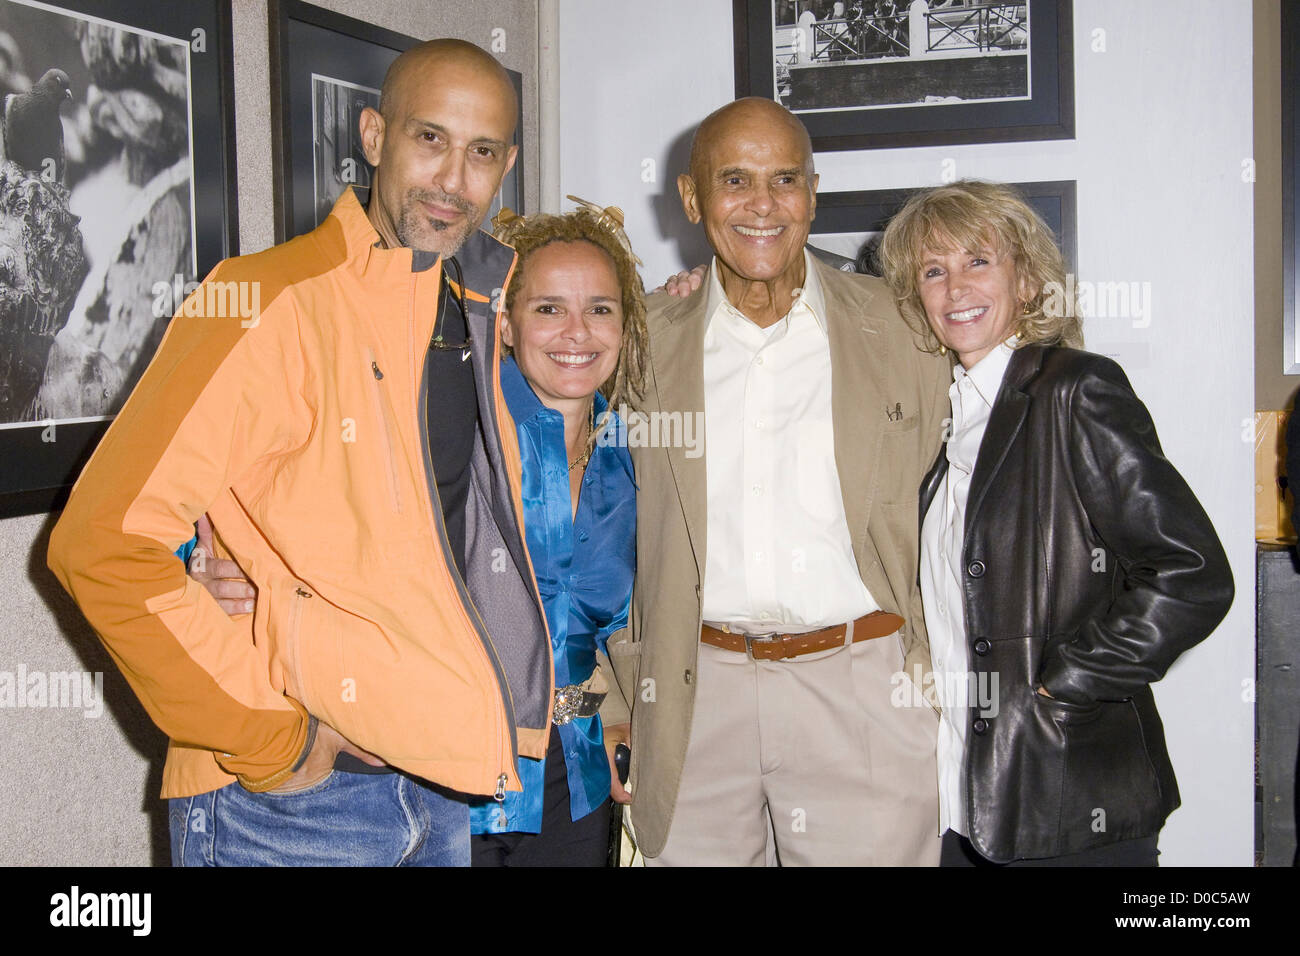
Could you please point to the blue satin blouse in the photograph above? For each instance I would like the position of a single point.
(584, 565)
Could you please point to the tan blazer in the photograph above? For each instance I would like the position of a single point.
(875, 366)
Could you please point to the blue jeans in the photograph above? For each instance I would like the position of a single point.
(347, 819)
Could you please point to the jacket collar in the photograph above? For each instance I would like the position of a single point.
(522, 400)
(1025, 362)
(1005, 421)
(810, 294)
(483, 259)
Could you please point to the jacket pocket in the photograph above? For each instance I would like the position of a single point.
(301, 604)
(625, 658)
(900, 425)
(1110, 791)
(387, 427)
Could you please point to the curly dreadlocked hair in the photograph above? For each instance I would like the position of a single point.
(603, 228)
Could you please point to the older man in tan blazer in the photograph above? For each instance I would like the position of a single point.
(776, 610)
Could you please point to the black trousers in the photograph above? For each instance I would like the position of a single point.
(563, 840)
(956, 850)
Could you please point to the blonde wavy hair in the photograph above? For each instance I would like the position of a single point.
(603, 228)
(974, 215)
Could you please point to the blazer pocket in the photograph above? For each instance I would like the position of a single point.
(1109, 785)
(902, 425)
(625, 658)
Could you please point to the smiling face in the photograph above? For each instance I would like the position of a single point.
(971, 298)
(440, 149)
(751, 184)
(566, 322)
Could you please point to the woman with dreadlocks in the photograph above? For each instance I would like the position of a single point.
(575, 337)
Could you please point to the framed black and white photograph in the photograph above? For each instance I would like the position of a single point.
(330, 68)
(871, 74)
(848, 227)
(116, 195)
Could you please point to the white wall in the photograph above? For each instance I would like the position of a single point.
(1163, 120)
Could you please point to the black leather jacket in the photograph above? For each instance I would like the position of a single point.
(1089, 567)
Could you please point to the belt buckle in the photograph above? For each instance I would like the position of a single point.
(767, 637)
(568, 701)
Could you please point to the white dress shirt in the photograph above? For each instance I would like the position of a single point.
(779, 554)
(973, 393)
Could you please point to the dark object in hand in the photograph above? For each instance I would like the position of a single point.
(622, 762)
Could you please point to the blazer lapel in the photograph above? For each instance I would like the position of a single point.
(677, 370)
(859, 372)
(1005, 421)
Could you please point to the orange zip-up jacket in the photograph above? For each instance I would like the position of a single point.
(288, 400)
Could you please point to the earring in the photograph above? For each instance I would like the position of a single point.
(1026, 310)
(942, 349)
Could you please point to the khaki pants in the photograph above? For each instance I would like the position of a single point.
(810, 761)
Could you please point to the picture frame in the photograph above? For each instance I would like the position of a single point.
(972, 73)
(1290, 175)
(845, 221)
(326, 68)
(133, 202)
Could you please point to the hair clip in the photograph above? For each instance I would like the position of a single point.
(506, 215)
(609, 218)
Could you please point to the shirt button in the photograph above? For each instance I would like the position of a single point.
(981, 726)
(582, 536)
(759, 360)
(687, 676)
(758, 423)
(975, 569)
(982, 647)
(757, 489)
(758, 555)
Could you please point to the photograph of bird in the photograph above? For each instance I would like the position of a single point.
(33, 131)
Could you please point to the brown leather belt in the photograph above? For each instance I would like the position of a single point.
(779, 647)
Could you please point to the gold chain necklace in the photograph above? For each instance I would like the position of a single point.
(586, 455)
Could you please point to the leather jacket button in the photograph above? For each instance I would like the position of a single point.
(975, 569)
(980, 726)
(982, 647)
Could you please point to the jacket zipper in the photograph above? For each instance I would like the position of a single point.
(440, 530)
(386, 417)
(295, 630)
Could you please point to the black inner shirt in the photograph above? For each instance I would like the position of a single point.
(452, 415)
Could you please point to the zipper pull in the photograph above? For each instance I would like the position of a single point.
(500, 794)
(301, 593)
(374, 367)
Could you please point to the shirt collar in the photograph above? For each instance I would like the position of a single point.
(810, 295)
(522, 400)
(988, 372)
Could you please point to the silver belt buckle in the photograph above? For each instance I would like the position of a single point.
(751, 638)
(568, 701)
